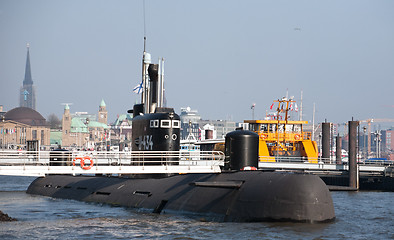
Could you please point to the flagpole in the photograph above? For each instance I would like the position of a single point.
(300, 117)
(313, 123)
(252, 107)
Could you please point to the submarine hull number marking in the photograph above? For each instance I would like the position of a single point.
(146, 142)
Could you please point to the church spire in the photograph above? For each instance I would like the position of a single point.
(28, 80)
(27, 94)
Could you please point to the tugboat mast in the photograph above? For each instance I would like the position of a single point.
(283, 106)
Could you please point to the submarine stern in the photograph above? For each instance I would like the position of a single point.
(294, 197)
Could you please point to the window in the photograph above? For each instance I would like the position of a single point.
(281, 128)
(175, 123)
(165, 124)
(34, 133)
(254, 127)
(289, 128)
(272, 127)
(264, 127)
(297, 128)
(154, 123)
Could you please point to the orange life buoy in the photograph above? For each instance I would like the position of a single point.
(86, 167)
(263, 136)
(82, 162)
(75, 159)
(297, 137)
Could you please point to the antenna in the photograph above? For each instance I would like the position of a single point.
(144, 97)
(300, 117)
(143, 5)
(162, 83)
(144, 44)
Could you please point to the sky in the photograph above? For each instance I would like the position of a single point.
(220, 56)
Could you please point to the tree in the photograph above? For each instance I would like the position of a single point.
(54, 121)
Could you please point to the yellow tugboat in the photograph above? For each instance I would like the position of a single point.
(281, 138)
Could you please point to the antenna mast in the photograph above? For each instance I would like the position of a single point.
(301, 107)
(143, 58)
(143, 9)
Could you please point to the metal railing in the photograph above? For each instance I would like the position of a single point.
(95, 162)
(320, 160)
(64, 158)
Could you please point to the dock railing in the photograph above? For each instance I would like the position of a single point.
(320, 160)
(322, 164)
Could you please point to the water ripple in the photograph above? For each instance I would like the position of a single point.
(360, 215)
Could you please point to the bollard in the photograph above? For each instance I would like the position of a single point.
(326, 140)
(353, 173)
(338, 150)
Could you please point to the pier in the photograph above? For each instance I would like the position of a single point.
(323, 164)
(370, 175)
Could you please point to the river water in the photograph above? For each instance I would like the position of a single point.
(359, 215)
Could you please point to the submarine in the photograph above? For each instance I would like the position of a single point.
(239, 193)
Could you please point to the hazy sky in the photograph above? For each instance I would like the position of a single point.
(220, 56)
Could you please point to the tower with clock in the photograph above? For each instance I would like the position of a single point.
(102, 113)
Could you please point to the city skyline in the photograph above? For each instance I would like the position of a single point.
(220, 57)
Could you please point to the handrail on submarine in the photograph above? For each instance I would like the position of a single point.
(41, 163)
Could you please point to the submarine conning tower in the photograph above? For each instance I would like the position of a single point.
(157, 131)
(241, 150)
(154, 127)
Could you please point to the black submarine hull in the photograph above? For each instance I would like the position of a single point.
(242, 196)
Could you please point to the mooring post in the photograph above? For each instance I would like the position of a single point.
(326, 141)
(338, 150)
(353, 169)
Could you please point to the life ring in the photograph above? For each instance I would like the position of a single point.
(75, 159)
(297, 137)
(86, 167)
(82, 162)
(263, 136)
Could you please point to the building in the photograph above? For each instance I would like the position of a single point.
(121, 131)
(103, 114)
(22, 124)
(27, 96)
(221, 127)
(2, 111)
(192, 126)
(82, 130)
(389, 143)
